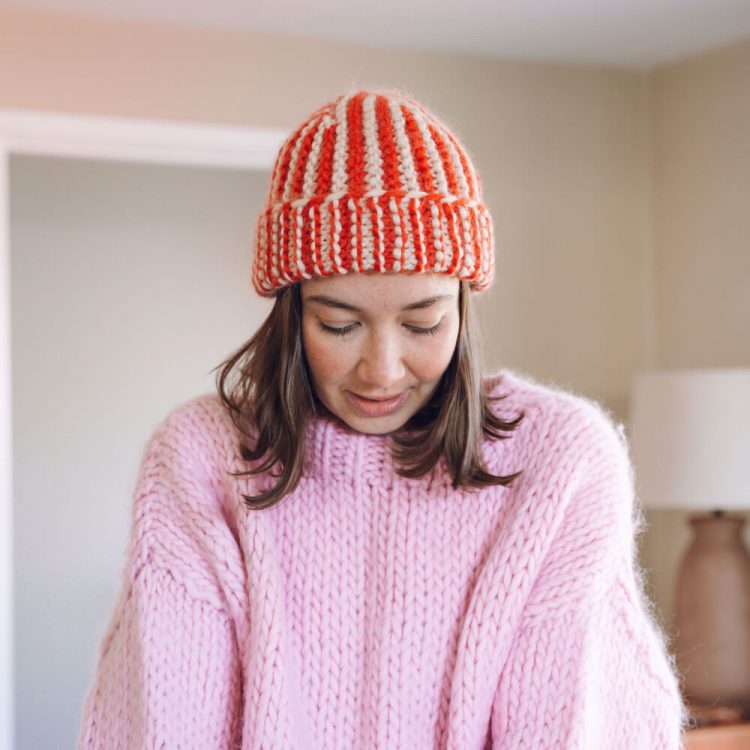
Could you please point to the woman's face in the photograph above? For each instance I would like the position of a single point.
(373, 336)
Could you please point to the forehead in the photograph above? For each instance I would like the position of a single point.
(375, 291)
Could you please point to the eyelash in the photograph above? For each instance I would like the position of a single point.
(418, 331)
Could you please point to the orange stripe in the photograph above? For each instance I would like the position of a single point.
(419, 152)
(331, 230)
(391, 179)
(325, 163)
(355, 163)
(428, 233)
(345, 249)
(445, 158)
(306, 240)
(358, 209)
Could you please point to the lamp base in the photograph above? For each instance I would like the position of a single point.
(712, 614)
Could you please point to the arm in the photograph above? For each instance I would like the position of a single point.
(167, 672)
(589, 668)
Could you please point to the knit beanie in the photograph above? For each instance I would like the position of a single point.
(372, 182)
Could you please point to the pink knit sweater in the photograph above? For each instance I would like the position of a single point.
(372, 611)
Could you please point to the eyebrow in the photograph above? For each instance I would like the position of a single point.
(331, 302)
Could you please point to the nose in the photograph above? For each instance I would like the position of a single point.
(381, 363)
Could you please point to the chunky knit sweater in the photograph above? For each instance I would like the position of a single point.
(367, 610)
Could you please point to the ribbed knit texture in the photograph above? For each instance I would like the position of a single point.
(372, 181)
(372, 611)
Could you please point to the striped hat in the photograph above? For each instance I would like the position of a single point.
(372, 182)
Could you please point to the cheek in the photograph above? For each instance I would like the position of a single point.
(327, 362)
(430, 360)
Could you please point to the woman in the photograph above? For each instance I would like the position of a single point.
(359, 541)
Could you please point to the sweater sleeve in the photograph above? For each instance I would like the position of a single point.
(167, 672)
(589, 667)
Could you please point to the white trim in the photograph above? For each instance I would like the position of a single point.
(132, 139)
(93, 137)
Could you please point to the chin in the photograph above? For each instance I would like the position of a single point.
(376, 426)
(373, 425)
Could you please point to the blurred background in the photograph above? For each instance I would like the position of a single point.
(613, 143)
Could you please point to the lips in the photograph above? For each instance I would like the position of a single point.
(372, 398)
(377, 407)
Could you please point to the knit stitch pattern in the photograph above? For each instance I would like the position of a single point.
(372, 181)
(368, 610)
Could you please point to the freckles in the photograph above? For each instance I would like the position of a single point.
(431, 362)
(324, 357)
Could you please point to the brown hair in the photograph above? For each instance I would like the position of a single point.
(272, 400)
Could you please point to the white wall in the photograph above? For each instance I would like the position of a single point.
(129, 283)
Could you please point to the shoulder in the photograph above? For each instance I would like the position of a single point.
(182, 512)
(558, 420)
(198, 423)
(191, 443)
(578, 476)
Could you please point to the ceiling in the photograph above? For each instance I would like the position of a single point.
(631, 34)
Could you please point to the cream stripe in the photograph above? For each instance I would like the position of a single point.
(356, 250)
(410, 254)
(373, 158)
(300, 262)
(316, 266)
(274, 249)
(447, 241)
(283, 246)
(436, 239)
(420, 227)
(408, 173)
(486, 244)
(468, 247)
(311, 168)
(368, 249)
(338, 182)
(325, 237)
(336, 235)
(262, 250)
(399, 241)
(483, 255)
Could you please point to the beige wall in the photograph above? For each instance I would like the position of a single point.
(702, 209)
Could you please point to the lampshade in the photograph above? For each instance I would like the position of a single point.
(690, 438)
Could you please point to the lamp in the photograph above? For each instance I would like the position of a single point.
(690, 443)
